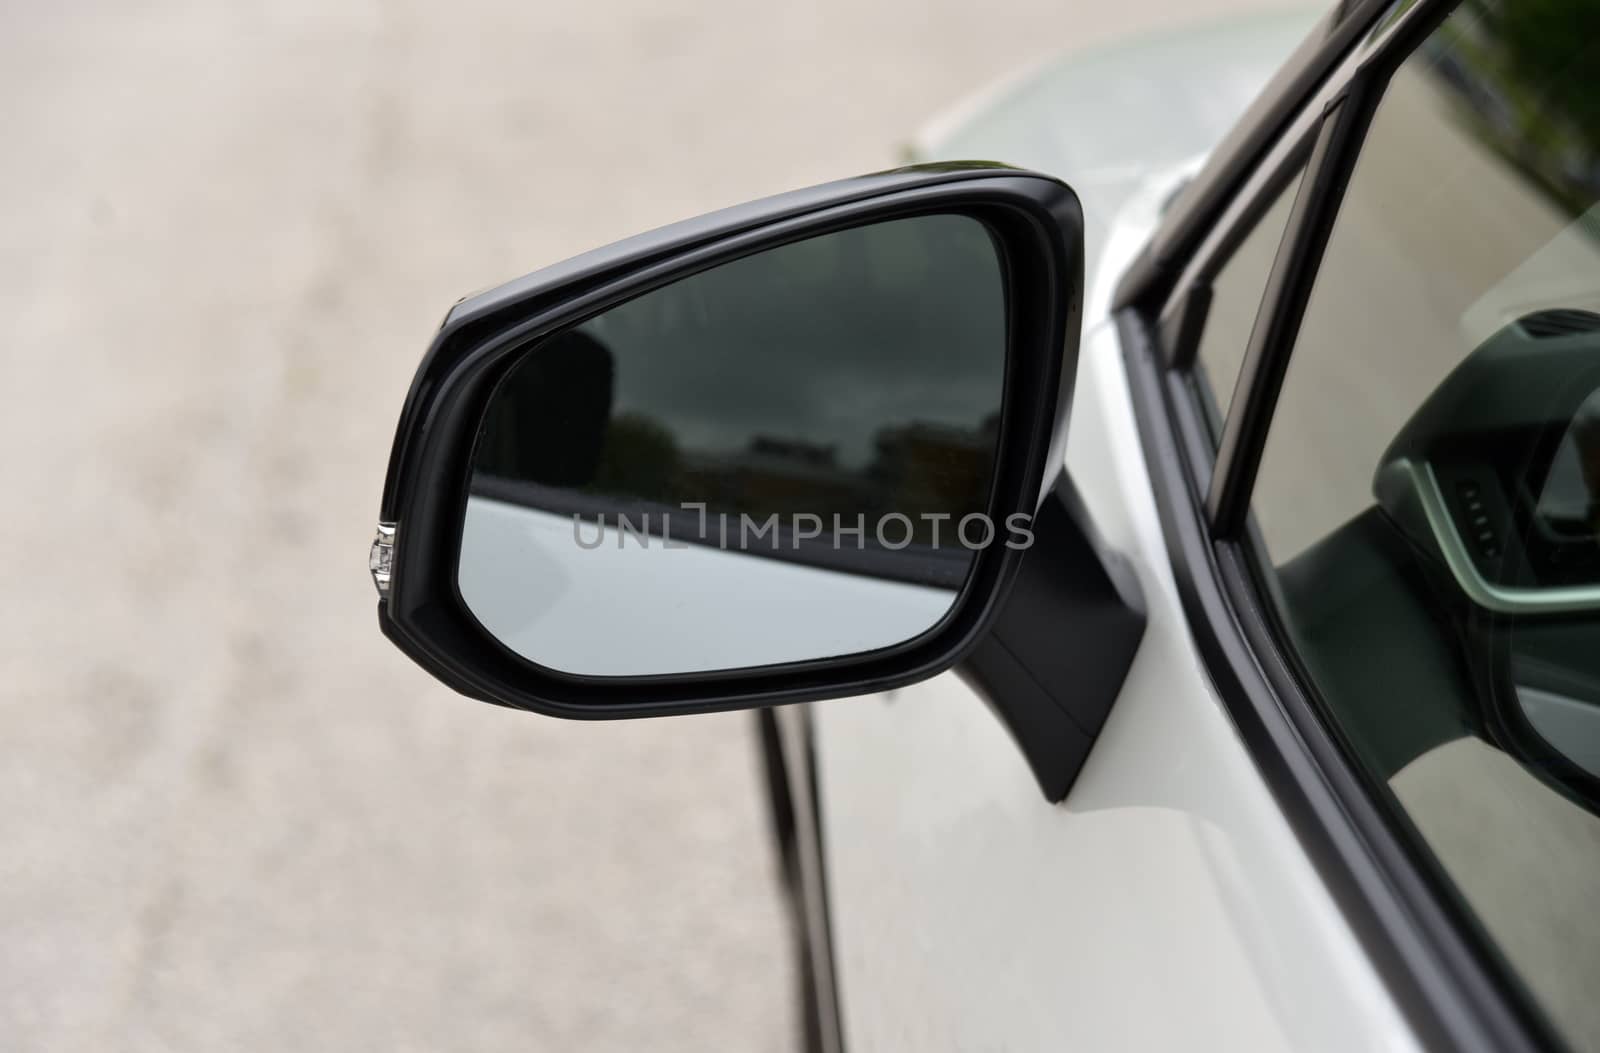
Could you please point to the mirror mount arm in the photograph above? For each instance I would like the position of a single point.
(1055, 658)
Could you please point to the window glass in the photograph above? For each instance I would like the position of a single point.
(1429, 493)
(1235, 296)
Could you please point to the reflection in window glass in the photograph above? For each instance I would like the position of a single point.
(1429, 493)
(1442, 239)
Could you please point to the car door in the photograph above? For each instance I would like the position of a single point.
(1321, 814)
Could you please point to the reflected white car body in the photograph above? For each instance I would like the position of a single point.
(562, 593)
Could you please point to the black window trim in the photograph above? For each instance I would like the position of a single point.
(1183, 322)
(1280, 162)
(1182, 319)
(1193, 216)
(1446, 977)
(1283, 304)
(1451, 991)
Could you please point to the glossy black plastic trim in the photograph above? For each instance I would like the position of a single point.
(1036, 224)
(1053, 663)
(1184, 318)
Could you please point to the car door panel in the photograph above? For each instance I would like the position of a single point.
(968, 914)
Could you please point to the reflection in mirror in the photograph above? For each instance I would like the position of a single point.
(785, 458)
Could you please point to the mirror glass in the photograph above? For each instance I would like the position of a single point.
(785, 458)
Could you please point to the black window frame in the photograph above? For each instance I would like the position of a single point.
(1184, 320)
(1445, 974)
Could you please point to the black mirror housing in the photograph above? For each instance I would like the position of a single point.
(1036, 226)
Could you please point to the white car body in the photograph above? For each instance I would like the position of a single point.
(1166, 903)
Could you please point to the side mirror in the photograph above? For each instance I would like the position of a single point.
(784, 452)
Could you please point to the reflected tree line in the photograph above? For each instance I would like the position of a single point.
(918, 470)
(551, 425)
(1525, 74)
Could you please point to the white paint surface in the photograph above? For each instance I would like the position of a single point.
(1166, 904)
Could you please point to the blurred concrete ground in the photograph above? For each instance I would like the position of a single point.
(231, 817)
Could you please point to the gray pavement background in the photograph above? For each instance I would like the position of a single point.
(231, 817)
